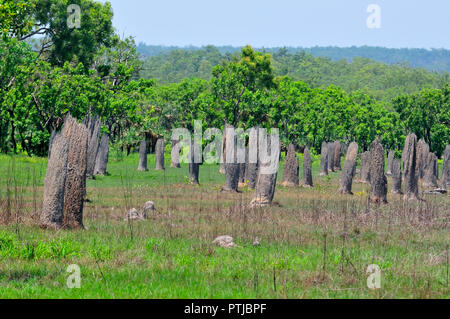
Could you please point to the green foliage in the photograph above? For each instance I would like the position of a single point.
(36, 95)
(118, 64)
(16, 17)
(13, 247)
(378, 79)
(432, 60)
(234, 83)
(427, 114)
(62, 43)
(177, 65)
(16, 63)
(92, 71)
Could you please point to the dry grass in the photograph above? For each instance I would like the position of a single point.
(314, 241)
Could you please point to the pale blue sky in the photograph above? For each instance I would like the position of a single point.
(265, 23)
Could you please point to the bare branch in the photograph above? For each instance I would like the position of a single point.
(42, 30)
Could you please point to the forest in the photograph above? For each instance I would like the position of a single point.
(42, 79)
(381, 80)
(432, 60)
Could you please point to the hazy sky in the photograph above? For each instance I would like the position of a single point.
(265, 23)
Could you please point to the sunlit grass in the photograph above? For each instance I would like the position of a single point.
(314, 243)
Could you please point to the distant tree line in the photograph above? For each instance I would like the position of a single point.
(380, 80)
(432, 60)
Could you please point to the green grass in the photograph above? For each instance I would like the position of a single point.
(315, 243)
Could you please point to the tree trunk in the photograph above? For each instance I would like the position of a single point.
(436, 167)
(50, 143)
(143, 156)
(307, 168)
(54, 184)
(243, 169)
(159, 152)
(13, 137)
(349, 169)
(378, 181)
(194, 168)
(222, 169)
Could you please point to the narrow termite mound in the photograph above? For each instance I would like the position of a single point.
(54, 184)
(291, 168)
(307, 168)
(378, 181)
(349, 169)
(143, 156)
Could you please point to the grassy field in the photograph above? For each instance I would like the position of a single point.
(314, 243)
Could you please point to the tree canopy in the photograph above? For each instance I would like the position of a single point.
(48, 70)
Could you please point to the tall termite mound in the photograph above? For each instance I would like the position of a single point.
(396, 176)
(159, 154)
(349, 169)
(365, 167)
(337, 155)
(65, 182)
(378, 181)
(446, 169)
(194, 161)
(291, 168)
(307, 168)
(143, 156)
(389, 162)
(175, 154)
(231, 160)
(267, 175)
(93, 125)
(251, 171)
(75, 189)
(330, 156)
(429, 179)
(101, 162)
(324, 159)
(55, 179)
(410, 168)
